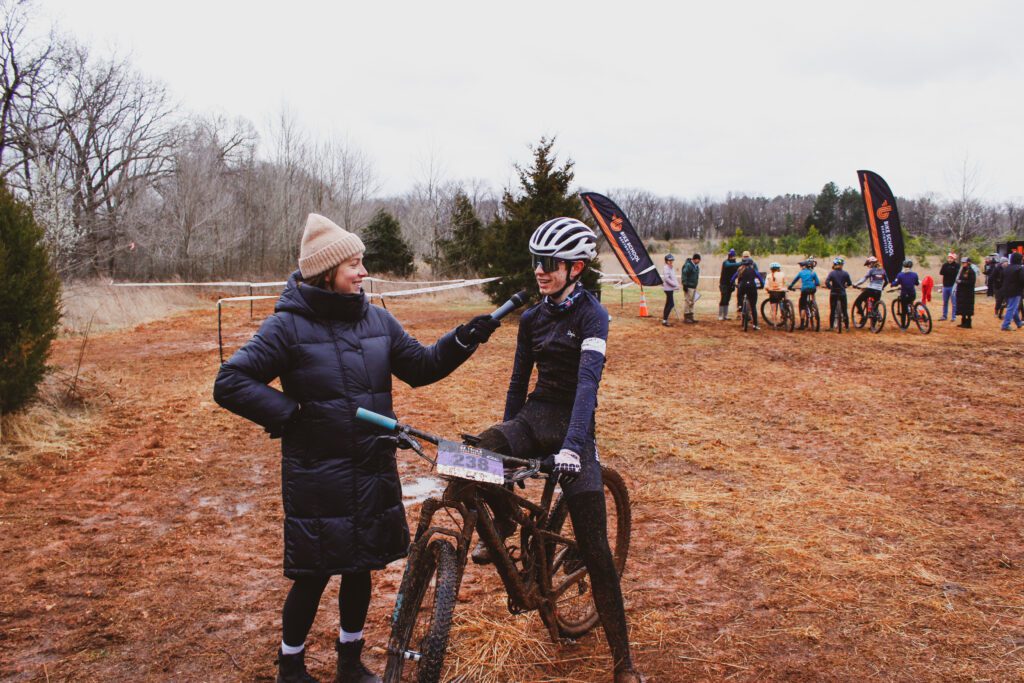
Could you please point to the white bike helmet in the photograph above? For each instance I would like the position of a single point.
(566, 239)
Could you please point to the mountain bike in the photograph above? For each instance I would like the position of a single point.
(838, 316)
(871, 311)
(917, 314)
(779, 315)
(541, 567)
(810, 318)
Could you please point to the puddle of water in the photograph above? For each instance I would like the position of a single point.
(420, 489)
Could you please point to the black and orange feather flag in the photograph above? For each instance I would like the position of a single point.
(623, 238)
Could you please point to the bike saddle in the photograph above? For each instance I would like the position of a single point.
(470, 439)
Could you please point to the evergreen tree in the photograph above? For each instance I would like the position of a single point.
(545, 195)
(823, 215)
(813, 244)
(386, 250)
(850, 217)
(29, 303)
(461, 253)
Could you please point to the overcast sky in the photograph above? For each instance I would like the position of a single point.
(749, 97)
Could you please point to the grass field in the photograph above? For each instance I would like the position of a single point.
(806, 507)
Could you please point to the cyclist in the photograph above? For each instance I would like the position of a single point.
(343, 511)
(809, 284)
(876, 280)
(836, 283)
(564, 336)
(775, 285)
(725, 285)
(907, 281)
(746, 279)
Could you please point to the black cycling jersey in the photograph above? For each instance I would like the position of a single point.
(567, 344)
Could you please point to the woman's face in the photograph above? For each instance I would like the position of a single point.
(349, 276)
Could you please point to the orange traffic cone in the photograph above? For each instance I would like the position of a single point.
(643, 305)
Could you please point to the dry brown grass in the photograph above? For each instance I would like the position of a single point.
(111, 308)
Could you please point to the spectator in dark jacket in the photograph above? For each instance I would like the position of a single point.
(1011, 290)
(965, 282)
(691, 278)
(334, 353)
(948, 273)
(725, 285)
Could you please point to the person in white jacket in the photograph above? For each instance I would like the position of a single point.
(670, 284)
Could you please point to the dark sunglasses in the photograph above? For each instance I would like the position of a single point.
(548, 264)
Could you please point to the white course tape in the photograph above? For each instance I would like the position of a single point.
(181, 284)
(247, 298)
(438, 288)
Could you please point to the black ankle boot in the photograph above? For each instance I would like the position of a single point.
(292, 668)
(350, 665)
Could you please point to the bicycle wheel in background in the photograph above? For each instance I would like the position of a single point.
(835, 319)
(575, 613)
(860, 317)
(878, 321)
(746, 314)
(788, 316)
(423, 615)
(773, 321)
(900, 315)
(813, 316)
(923, 319)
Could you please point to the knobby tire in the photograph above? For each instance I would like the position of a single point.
(428, 606)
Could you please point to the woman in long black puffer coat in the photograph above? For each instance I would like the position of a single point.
(334, 353)
(965, 281)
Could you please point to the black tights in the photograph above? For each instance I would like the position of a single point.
(669, 304)
(590, 525)
(304, 597)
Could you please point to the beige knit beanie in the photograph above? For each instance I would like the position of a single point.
(325, 245)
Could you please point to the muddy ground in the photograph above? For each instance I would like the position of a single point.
(806, 507)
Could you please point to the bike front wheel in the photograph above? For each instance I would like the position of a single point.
(923, 318)
(788, 317)
(746, 314)
(813, 317)
(771, 315)
(574, 610)
(423, 612)
(878, 320)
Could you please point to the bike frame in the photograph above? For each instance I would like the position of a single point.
(525, 583)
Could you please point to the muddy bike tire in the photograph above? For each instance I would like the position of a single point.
(577, 614)
(859, 315)
(788, 317)
(768, 318)
(746, 314)
(835, 319)
(878, 321)
(900, 316)
(923, 318)
(813, 316)
(419, 653)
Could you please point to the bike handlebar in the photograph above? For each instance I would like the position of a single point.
(392, 425)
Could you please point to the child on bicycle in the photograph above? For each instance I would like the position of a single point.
(775, 285)
(809, 284)
(343, 511)
(746, 279)
(565, 337)
(876, 279)
(907, 282)
(836, 283)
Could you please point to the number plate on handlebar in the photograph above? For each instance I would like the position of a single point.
(467, 462)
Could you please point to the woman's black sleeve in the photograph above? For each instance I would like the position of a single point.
(416, 364)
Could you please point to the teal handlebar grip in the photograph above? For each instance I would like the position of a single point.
(376, 418)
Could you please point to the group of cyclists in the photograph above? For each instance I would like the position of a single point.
(745, 279)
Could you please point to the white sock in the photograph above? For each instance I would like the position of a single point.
(287, 649)
(347, 637)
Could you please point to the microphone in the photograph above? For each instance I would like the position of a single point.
(517, 300)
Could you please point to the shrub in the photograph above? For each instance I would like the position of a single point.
(386, 250)
(29, 303)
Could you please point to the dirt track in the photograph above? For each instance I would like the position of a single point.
(806, 507)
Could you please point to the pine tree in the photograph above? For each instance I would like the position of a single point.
(461, 253)
(813, 244)
(823, 215)
(386, 250)
(29, 303)
(545, 195)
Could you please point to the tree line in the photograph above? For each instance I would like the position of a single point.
(127, 184)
